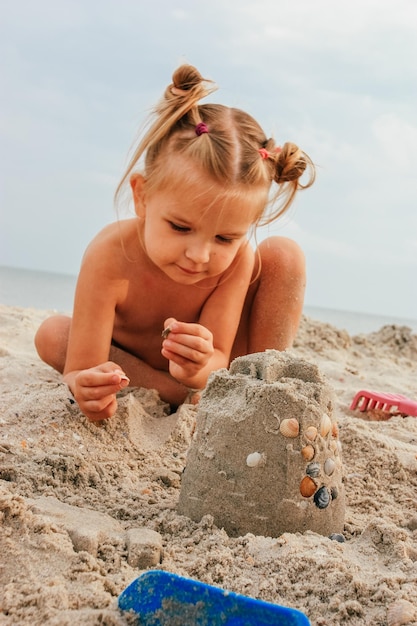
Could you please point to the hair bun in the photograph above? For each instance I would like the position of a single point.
(290, 164)
(186, 77)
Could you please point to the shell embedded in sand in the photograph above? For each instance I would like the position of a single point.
(401, 612)
(308, 452)
(289, 427)
(333, 446)
(322, 498)
(254, 459)
(310, 433)
(313, 469)
(325, 425)
(335, 430)
(307, 487)
(329, 466)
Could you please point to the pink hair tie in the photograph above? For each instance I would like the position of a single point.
(201, 128)
(264, 153)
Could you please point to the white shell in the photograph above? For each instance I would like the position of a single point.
(401, 612)
(329, 466)
(254, 459)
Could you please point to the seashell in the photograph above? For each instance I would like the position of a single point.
(254, 459)
(322, 498)
(310, 433)
(334, 493)
(308, 452)
(325, 425)
(337, 537)
(329, 466)
(401, 612)
(335, 430)
(307, 487)
(290, 427)
(165, 332)
(313, 469)
(333, 446)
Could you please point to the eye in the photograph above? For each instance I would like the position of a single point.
(178, 228)
(222, 239)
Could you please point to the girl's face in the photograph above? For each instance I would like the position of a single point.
(192, 232)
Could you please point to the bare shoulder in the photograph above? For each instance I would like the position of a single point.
(109, 249)
(242, 267)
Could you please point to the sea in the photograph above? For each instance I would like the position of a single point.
(55, 292)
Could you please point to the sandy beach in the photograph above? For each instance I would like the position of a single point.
(84, 510)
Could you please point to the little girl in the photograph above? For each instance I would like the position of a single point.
(183, 265)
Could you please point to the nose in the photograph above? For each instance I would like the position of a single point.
(198, 252)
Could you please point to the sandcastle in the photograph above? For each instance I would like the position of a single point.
(266, 456)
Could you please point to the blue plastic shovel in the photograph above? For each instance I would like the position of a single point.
(161, 599)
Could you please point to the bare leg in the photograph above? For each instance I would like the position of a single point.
(274, 302)
(51, 342)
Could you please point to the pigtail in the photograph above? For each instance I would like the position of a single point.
(290, 164)
(181, 97)
(286, 165)
(180, 100)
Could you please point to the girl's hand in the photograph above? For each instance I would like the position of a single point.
(95, 389)
(189, 348)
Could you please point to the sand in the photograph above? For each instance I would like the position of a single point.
(84, 510)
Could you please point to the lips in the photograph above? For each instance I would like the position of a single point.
(189, 272)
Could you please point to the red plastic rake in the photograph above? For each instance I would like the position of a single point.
(366, 400)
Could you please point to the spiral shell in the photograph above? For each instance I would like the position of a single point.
(307, 487)
(310, 433)
(308, 452)
(322, 498)
(289, 427)
(313, 469)
(329, 466)
(325, 425)
(401, 612)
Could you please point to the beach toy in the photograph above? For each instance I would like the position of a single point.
(266, 455)
(366, 400)
(160, 598)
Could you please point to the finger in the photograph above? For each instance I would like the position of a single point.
(104, 414)
(184, 354)
(97, 378)
(176, 343)
(100, 409)
(195, 330)
(97, 394)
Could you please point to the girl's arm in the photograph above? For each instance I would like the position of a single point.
(195, 350)
(91, 377)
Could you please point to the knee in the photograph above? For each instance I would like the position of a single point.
(51, 340)
(284, 256)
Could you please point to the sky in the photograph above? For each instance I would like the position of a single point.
(78, 78)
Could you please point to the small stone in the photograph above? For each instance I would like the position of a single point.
(412, 524)
(144, 547)
(168, 478)
(337, 537)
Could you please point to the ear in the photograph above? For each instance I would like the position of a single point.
(137, 183)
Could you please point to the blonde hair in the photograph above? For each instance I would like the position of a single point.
(235, 152)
